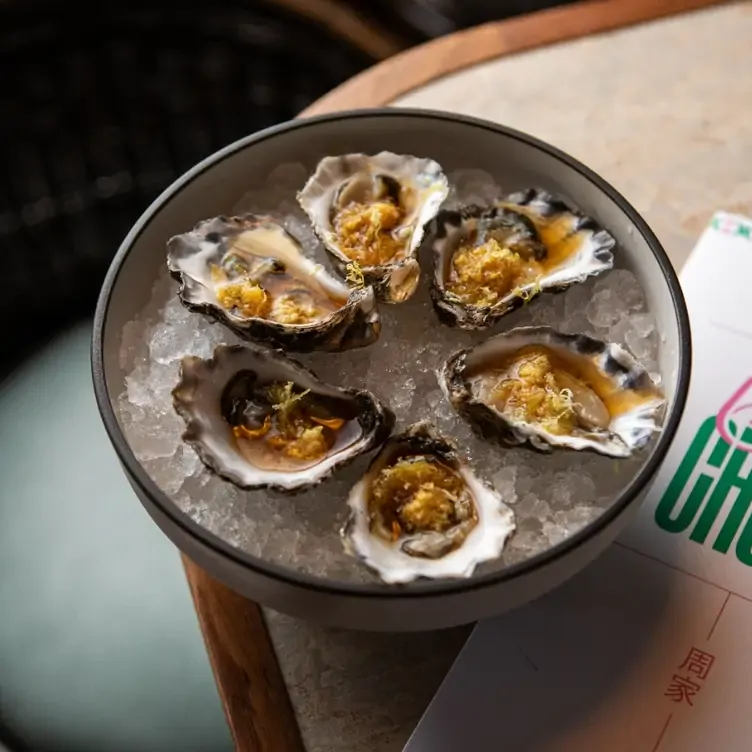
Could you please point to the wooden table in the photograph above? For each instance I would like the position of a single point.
(662, 110)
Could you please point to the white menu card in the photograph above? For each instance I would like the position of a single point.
(650, 648)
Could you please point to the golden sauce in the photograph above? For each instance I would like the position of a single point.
(247, 298)
(250, 285)
(372, 218)
(418, 494)
(483, 275)
(526, 382)
(366, 232)
(296, 433)
(556, 233)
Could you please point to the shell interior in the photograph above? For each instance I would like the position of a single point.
(222, 250)
(201, 398)
(615, 404)
(252, 275)
(415, 187)
(577, 246)
(400, 559)
(555, 246)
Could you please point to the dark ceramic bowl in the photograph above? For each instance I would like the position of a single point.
(215, 185)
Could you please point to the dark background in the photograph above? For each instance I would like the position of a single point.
(102, 108)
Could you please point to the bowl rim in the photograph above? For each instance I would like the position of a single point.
(419, 588)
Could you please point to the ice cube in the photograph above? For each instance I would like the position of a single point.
(641, 338)
(504, 481)
(625, 287)
(605, 309)
(554, 533)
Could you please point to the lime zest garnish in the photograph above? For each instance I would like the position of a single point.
(529, 293)
(567, 398)
(284, 400)
(355, 275)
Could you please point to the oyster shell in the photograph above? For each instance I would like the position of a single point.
(250, 274)
(372, 210)
(419, 511)
(490, 260)
(536, 385)
(262, 420)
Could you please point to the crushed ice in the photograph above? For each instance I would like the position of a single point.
(553, 496)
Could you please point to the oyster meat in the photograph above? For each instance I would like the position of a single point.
(370, 213)
(419, 511)
(262, 420)
(250, 274)
(490, 260)
(536, 385)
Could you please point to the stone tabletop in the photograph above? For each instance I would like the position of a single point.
(664, 112)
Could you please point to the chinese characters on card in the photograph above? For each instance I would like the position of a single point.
(687, 683)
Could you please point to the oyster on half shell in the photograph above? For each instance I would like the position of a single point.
(262, 420)
(536, 385)
(488, 260)
(372, 210)
(250, 274)
(419, 511)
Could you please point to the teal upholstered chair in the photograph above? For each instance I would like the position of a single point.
(99, 645)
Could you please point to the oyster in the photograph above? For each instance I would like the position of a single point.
(419, 511)
(490, 260)
(250, 274)
(262, 420)
(372, 210)
(536, 385)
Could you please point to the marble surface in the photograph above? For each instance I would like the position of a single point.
(360, 691)
(664, 112)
